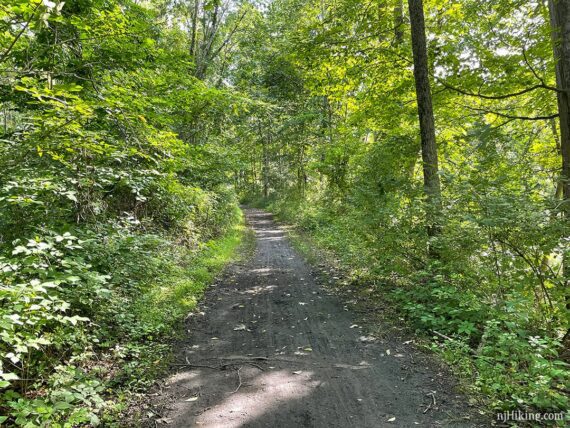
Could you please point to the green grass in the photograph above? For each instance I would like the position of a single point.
(157, 317)
(174, 297)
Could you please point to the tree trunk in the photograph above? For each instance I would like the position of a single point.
(253, 173)
(399, 22)
(560, 23)
(194, 28)
(265, 169)
(265, 141)
(432, 187)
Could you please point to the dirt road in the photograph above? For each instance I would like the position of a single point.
(273, 348)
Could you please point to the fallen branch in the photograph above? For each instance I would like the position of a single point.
(188, 363)
(241, 357)
(442, 335)
(195, 365)
(156, 413)
(239, 379)
(432, 404)
(222, 366)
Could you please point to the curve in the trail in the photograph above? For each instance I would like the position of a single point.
(273, 348)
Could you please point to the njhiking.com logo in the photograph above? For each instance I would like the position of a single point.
(517, 415)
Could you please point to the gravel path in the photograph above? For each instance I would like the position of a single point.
(273, 348)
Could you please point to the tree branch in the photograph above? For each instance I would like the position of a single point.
(513, 117)
(230, 35)
(540, 79)
(24, 28)
(496, 97)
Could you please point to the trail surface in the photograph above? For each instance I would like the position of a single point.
(273, 348)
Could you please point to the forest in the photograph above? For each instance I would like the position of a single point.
(423, 145)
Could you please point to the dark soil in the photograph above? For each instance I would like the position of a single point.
(273, 348)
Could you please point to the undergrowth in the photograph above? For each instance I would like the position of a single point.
(96, 326)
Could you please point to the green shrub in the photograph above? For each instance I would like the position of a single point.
(78, 316)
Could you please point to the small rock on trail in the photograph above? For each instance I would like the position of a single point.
(273, 350)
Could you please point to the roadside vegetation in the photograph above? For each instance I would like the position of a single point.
(509, 373)
(113, 219)
(425, 143)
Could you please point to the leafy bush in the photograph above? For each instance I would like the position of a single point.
(112, 218)
(81, 315)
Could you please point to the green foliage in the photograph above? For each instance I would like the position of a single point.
(114, 212)
(340, 158)
(127, 129)
(499, 340)
(57, 319)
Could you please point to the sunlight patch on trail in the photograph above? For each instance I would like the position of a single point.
(259, 396)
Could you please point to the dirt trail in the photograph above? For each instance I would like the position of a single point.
(273, 348)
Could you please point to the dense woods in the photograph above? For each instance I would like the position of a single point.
(425, 145)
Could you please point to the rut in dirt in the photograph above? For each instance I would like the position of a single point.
(273, 348)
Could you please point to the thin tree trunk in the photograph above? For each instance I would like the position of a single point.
(264, 160)
(194, 27)
(265, 169)
(253, 174)
(432, 187)
(399, 22)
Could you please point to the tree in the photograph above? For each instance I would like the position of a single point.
(560, 24)
(432, 186)
(399, 22)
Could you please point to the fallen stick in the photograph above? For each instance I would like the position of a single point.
(442, 335)
(242, 357)
(201, 366)
(430, 404)
(239, 378)
(156, 413)
(471, 351)
(220, 367)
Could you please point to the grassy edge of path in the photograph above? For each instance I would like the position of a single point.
(168, 304)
